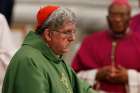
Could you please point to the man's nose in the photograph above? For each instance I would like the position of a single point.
(72, 37)
(118, 19)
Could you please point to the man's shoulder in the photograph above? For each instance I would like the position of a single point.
(96, 35)
(136, 35)
(95, 38)
(26, 52)
(27, 55)
(135, 20)
(136, 17)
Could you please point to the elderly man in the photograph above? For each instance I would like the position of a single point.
(111, 57)
(38, 66)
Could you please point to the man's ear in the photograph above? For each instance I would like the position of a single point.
(107, 17)
(47, 34)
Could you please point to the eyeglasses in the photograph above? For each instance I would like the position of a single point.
(68, 34)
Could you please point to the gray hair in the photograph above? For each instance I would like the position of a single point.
(58, 17)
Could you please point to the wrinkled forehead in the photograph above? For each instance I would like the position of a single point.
(68, 24)
(116, 8)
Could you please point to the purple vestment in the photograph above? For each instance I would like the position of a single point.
(95, 52)
(135, 23)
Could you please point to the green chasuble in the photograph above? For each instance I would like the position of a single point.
(36, 69)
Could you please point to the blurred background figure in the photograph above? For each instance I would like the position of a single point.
(135, 21)
(7, 47)
(6, 8)
(111, 57)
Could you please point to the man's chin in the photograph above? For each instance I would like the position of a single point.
(119, 32)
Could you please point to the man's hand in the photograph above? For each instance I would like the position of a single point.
(119, 76)
(104, 73)
(112, 74)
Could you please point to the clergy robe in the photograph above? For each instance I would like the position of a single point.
(135, 23)
(96, 51)
(7, 47)
(36, 69)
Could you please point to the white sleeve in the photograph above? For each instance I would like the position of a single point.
(7, 47)
(88, 75)
(7, 44)
(133, 81)
(4, 61)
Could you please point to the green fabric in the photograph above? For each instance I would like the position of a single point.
(36, 69)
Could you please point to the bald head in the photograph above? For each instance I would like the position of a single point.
(117, 6)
